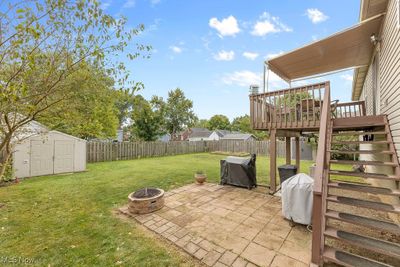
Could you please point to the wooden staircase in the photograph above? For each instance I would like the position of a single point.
(355, 228)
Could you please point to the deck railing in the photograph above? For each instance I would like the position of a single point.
(320, 180)
(298, 107)
(349, 109)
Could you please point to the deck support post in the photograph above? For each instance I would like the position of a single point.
(316, 247)
(272, 158)
(297, 153)
(288, 152)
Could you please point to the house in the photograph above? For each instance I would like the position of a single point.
(369, 127)
(202, 134)
(239, 137)
(164, 138)
(182, 136)
(120, 135)
(40, 151)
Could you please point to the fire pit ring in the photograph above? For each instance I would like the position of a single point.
(146, 200)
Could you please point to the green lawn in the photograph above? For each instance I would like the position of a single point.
(68, 220)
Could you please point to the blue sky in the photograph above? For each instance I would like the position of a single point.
(213, 50)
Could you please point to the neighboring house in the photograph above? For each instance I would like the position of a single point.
(164, 138)
(368, 129)
(199, 134)
(182, 136)
(120, 135)
(202, 134)
(239, 137)
(222, 133)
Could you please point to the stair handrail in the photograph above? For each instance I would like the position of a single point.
(320, 175)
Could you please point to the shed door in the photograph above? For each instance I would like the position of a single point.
(63, 156)
(41, 157)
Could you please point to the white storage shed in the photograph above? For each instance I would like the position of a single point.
(49, 152)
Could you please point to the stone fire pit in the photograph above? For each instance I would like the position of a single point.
(146, 200)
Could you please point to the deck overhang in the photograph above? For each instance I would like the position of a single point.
(350, 48)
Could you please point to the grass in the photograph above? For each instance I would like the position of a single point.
(68, 220)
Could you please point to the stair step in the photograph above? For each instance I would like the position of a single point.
(364, 221)
(365, 175)
(358, 133)
(364, 188)
(361, 152)
(353, 123)
(364, 203)
(364, 162)
(359, 142)
(377, 245)
(349, 260)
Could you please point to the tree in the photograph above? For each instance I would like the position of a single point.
(42, 43)
(123, 103)
(220, 122)
(291, 100)
(179, 112)
(90, 111)
(148, 118)
(202, 123)
(243, 124)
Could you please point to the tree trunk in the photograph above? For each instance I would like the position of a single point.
(5, 159)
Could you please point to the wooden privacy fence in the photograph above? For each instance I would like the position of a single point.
(99, 151)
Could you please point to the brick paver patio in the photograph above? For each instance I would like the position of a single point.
(229, 226)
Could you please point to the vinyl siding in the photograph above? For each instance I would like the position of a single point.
(367, 92)
(389, 96)
(389, 73)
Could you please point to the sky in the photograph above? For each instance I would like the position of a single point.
(214, 49)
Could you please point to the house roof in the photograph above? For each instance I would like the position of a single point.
(238, 136)
(349, 48)
(222, 133)
(200, 134)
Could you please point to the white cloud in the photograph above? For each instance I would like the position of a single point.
(176, 49)
(250, 55)
(154, 26)
(242, 78)
(269, 24)
(316, 16)
(246, 78)
(307, 81)
(347, 77)
(272, 55)
(226, 27)
(206, 42)
(129, 4)
(225, 55)
(262, 28)
(155, 2)
(105, 4)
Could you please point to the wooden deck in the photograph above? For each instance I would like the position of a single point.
(298, 109)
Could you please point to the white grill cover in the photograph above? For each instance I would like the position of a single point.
(297, 198)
